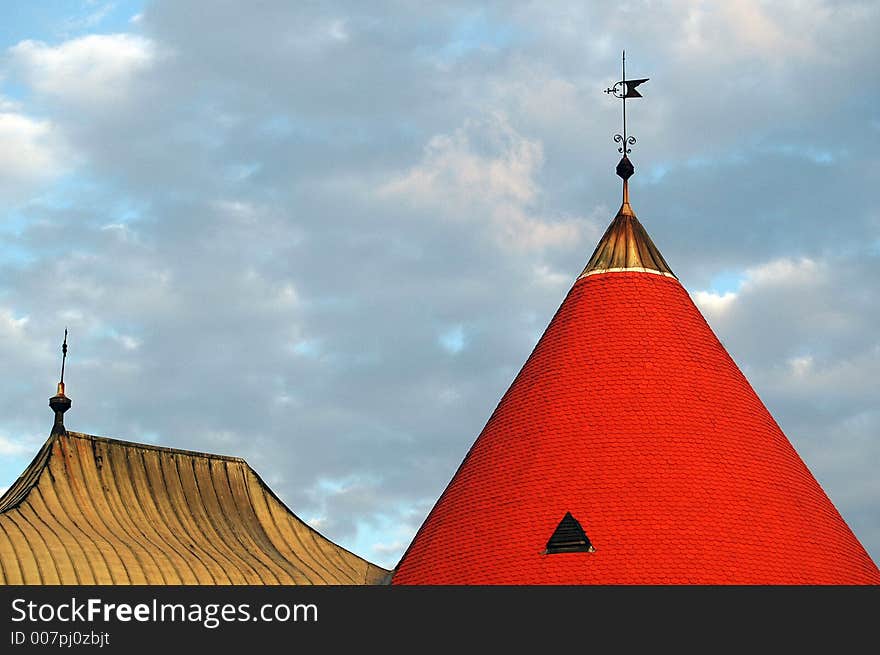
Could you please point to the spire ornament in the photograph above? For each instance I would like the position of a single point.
(625, 89)
(626, 246)
(59, 403)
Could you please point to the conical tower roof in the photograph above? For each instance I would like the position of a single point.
(631, 449)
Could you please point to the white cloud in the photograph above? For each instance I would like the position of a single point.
(801, 366)
(88, 72)
(10, 326)
(338, 31)
(484, 172)
(783, 271)
(89, 20)
(128, 342)
(753, 27)
(392, 549)
(545, 276)
(31, 152)
(317, 522)
(803, 374)
(713, 303)
(10, 447)
(320, 37)
(454, 164)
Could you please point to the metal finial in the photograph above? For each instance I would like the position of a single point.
(59, 402)
(625, 89)
(63, 356)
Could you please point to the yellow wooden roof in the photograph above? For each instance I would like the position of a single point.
(92, 510)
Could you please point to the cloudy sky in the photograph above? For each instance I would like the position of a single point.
(326, 236)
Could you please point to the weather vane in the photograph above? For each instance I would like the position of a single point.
(623, 90)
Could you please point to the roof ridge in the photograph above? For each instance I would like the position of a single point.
(19, 490)
(147, 446)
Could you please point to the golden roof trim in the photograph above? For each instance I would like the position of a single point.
(633, 269)
(626, 246)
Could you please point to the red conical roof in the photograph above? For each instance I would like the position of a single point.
(631, 416)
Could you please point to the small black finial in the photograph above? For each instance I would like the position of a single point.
(59, 402)
(625, 169)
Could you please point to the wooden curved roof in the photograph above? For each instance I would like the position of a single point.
(92, 510)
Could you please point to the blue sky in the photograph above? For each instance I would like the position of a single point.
(326, 236)
(54, 21)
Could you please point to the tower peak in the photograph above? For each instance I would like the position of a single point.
(626, 246)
